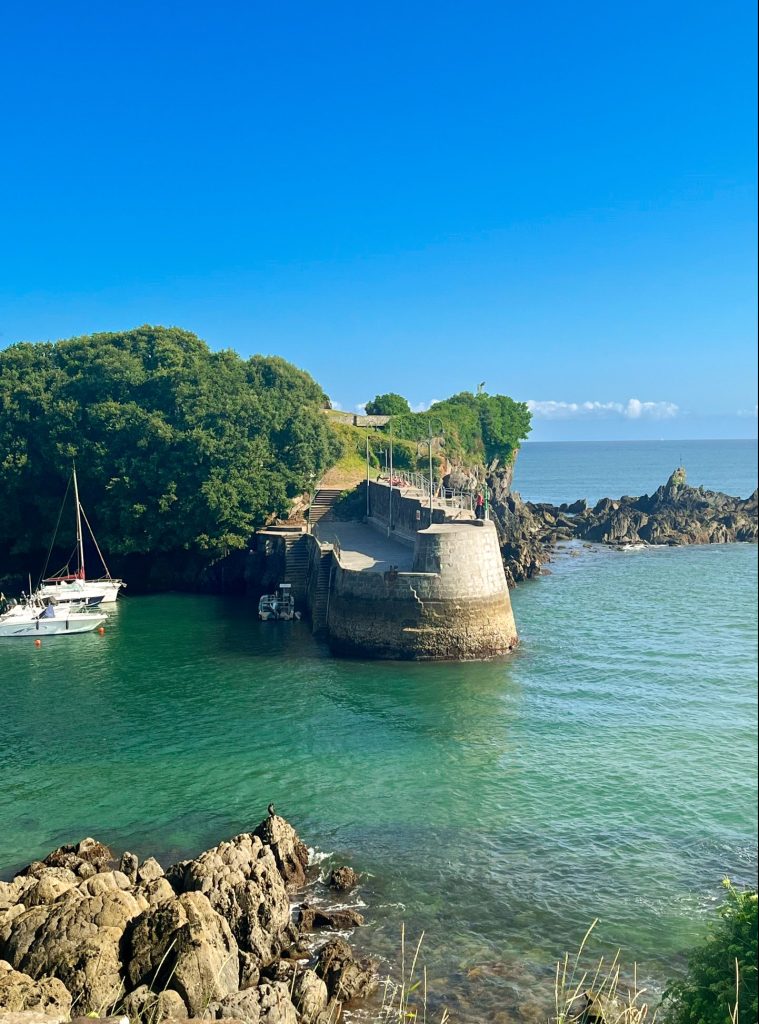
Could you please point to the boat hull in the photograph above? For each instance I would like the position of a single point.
(65, 625)
(90, 591)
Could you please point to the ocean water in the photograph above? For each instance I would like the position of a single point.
(605, 770)
(555, 471)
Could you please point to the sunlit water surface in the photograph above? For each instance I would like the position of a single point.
(607, 769)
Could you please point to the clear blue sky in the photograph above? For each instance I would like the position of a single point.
(557, 199)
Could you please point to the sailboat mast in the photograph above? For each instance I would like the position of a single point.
(79, 536)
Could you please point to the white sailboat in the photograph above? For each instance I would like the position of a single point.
(34, 617)
(67, 587)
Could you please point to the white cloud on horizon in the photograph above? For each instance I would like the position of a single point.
(424, 406)
(632, 409)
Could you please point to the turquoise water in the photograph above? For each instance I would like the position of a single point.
(608, 769)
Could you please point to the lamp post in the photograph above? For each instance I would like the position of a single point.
(430, 439)
(390, 512)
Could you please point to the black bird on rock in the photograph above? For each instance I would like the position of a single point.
(271, 810)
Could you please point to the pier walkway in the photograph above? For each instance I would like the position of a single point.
(364, 548)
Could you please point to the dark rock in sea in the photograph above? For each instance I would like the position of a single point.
(674, 514)
(343, 879)
(310, 918)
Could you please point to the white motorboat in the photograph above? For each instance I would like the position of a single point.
(67, 587)
(36, 618)
(278, 606)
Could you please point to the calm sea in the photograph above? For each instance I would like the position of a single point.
(606, 770)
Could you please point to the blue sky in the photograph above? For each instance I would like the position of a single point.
(557, 199)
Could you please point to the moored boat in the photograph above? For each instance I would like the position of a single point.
(278, 606)
(37, 618)
(67, 587)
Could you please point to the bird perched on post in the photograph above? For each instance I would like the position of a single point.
(271, 810)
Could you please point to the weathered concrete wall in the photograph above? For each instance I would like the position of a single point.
(454, 605)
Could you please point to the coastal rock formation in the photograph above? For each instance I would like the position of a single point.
(18, 991)
(674, 514)
(343, 879)
(210, 938)
(345, 977)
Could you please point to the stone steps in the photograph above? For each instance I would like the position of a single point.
(321, 506)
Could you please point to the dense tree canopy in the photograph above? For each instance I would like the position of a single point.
(177, 448)
(477, 428)
(388, 405)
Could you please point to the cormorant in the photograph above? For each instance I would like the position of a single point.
(271, 810)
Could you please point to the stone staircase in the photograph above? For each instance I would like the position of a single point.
(296, 565)
(321, 598)
(321, 506)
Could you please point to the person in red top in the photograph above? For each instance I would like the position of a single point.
(479, 507)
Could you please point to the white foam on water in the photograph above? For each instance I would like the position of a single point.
(317, 856)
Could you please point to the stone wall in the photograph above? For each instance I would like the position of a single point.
(409, 514)
(454, 604)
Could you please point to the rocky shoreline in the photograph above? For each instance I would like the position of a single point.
(675, 514)
(222, 936)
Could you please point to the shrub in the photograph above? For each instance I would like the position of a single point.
(720, 985)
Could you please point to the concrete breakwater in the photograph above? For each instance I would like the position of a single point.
(212, 937)
(424, 584)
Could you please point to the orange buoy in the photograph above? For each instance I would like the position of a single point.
(38, 643)
(101, 630)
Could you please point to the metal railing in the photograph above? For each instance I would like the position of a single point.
(443, 497)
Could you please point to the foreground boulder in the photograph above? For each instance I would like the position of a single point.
(268, 1003)
(77, 939)
(346, 978)
(18, 991)
(183, 944)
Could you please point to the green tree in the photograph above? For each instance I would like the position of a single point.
(179, 449)
(388, 405)
(707, 995)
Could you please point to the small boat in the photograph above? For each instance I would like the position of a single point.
(67, 587)
(34, 617)
(278, 606)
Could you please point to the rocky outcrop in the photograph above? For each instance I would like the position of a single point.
(18, 991)
(290, 854)
(346, 978)
(674, 514)
(310, 918)
(343, 879)
(185, 945)
(210, 938)
(243, 884)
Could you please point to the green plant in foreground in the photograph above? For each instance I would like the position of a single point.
(596, 994)
(405, 1000)
(720, 985)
